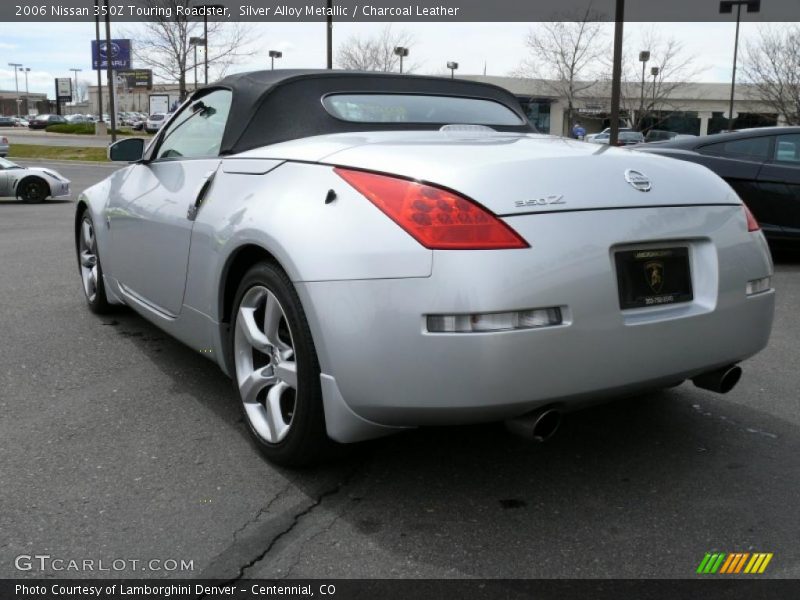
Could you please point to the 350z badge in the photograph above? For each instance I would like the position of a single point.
(543, 201)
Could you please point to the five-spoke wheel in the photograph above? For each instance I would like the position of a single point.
(276, 368)
(89, 265)
(266, 370)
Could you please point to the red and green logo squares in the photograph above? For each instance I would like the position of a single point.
(734, 563)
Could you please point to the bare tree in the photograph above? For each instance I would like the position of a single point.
(651, 96)
(772, 65)
(163, 43)
(375, 53)
(567, 54)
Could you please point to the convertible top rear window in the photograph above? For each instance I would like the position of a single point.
(418, 108)
(269, 107)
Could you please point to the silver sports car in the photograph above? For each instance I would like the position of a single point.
(31, 184)
(367, 253)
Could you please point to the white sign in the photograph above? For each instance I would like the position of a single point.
(159, 103)
(64, 87)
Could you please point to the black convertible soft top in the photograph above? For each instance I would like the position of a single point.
(275, 106)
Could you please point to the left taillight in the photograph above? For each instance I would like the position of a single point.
(752, 224)
(437, 218)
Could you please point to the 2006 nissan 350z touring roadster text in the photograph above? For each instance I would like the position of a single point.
(365, 253)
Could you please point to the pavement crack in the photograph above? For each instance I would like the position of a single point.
(262, 510)
(295, 521)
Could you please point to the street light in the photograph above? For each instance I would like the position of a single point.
(654, 71)
(273, 54)
(726, 7)
(644, 56)
(401, 52)
(452, 65)
(16, 83)
(329, 34)
(616, 71)
(27, 105)
(196, 41)
(208, 8)
(75, 91)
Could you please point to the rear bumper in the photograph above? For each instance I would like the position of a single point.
(372, 341)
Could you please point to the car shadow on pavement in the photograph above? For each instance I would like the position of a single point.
(640, 487)
(17, 202)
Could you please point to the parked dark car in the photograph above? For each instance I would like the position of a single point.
(7, 122)
(761, 164)
(43, 121)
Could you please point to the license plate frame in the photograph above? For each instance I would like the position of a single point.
(648, 277)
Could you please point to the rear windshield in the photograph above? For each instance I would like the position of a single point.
(418, 108)
(156, 117)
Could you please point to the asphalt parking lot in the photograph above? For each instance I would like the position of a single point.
(118, 442)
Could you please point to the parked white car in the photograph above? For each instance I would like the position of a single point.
(31, 184)
(154, 122)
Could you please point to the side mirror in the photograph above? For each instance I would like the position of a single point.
(127, 150)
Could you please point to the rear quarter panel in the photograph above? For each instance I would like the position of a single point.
(281, 207)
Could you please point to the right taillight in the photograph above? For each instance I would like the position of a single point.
(437, 218)
(752, 224)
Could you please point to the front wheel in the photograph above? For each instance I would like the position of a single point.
(33, 191)
(89, 266)
(276, 369)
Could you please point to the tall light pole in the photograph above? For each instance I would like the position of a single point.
(208, 8)
(196, 41)
(402, 52)
(97, 68)
(273, 54)
(75, 91)
(27, 95)
(452, 65)
(654, 71)
(16, 83)
(616, 72)
(644, 56)
(329, 34)
(726, 7)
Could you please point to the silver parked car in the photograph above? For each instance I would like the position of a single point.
(31, 184)
(365, 253)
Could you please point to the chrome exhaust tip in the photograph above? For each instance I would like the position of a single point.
(537, 426)
(721, 381)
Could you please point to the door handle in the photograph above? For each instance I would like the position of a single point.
(202, 190)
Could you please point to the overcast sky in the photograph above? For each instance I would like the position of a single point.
(51, 49)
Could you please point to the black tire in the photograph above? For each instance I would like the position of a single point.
(33, 191)
(97, 303)
(307, 440)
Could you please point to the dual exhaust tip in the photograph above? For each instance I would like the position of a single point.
(721, 381)
(537, 426)
(542, 424)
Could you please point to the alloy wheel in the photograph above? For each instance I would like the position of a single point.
(88, 259)
(266, 369)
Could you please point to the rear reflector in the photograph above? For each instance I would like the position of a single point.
(756, 286)
(506, 321)
(752, 224)
(437, 218)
